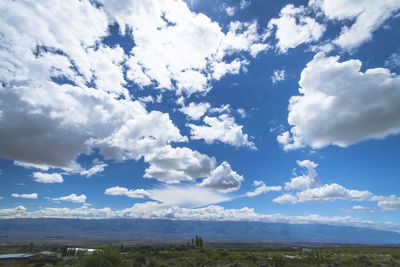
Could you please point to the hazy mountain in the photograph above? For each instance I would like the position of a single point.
(210, 230)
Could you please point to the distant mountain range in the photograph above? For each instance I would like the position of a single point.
(209, 230)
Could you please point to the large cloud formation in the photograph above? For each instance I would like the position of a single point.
(366, 17)
(341, 105)
(55, 61)
(294, 28)
(153, 210)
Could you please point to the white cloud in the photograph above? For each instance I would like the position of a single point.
(195, 111)
(242, 36)
(223, 129)
(391, 203)
(333, 192)
(244, 4)
(309, 190)
(187, 196)
(285, 199)
(261, 188)
(222, 68)
(174, 49)
(229, 10)
(242, 113)
(279, 75)
(106, 63)
(154, 210)
(136, 72)
(340, 105)
(72, 198)
(173, 195)
(304, 181)
(1, 197)
(357, 208)
(28, 196)
(393, 62)
(368, 16)
(122, 191)
(255, 49)
(173, 165)
(222, 109)
(47, 178)
(13, 212)
(98, 168)
(293, 28)
(175, 46)
(191, 81)
(223, 178)
(54, 112)
(31, 166)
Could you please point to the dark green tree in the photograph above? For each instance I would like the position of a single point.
(107, 257)
(31, 246)
(200, 242)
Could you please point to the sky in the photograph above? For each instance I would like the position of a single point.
(245, 110)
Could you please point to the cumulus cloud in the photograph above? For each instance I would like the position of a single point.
(391, 203)
(187, 196)
(221, 109)
(309, 190)
(172, 165)
(357, 208)
(366, 17)
(223, 178)
(393, 61)
(285, 199)
(262, 188)
(195, 111)
(47, 178)
(223, 129)
(123, 191)
(304, 181)
(27, 196)
(53, 111)
(333, 192)
(72, 198)
(279, 75)
(341, 105)
(174, 46)
(229, 10)
(173, 195)
(244, 4)
(154, 210)
(294, 28)
(98, 168)
(52, 65)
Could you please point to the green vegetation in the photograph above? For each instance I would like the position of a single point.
(195, 253)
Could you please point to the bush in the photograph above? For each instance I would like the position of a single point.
(107, 257)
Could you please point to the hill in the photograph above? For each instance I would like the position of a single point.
(210, 230)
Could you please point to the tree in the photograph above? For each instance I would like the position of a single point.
(31, 246)
(192, 243)
(108, 257)
(197, 241)
(200, 242)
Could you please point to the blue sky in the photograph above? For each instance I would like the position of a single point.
(230, 110)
